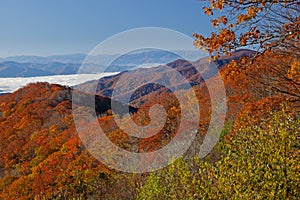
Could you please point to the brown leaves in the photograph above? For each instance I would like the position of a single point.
(216, 41)
(215, 22)
(241, 18)
(221, 20)
(243, 40)
(276, 25)
(252, 11)
(208, 11)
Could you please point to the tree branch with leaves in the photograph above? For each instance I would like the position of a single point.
(261, 24)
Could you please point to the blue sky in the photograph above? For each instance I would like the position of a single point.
(40, 27)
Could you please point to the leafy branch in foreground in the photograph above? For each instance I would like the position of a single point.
(262, 24)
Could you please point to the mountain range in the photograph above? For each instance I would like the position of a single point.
(31, 66)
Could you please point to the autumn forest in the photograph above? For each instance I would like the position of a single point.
(255, 46)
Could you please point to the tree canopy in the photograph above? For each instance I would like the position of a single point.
(262, 24)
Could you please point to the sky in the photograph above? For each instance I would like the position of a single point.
(53, 27)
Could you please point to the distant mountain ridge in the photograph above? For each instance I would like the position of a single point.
(15, 69)
(31, 66)
(71, 58)
(104, 58)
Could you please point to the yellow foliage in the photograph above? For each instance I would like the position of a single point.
(294, 71)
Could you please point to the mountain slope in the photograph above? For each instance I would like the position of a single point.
(40, 149)
(187, 69)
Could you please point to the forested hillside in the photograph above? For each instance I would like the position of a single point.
(42, 151)
(42, 155)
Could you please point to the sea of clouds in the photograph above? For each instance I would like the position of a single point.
(8, 85)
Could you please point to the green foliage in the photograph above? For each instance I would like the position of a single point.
(220, 148)
(153, 189)
(263, 161)
(165, 184)
(258, 162)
